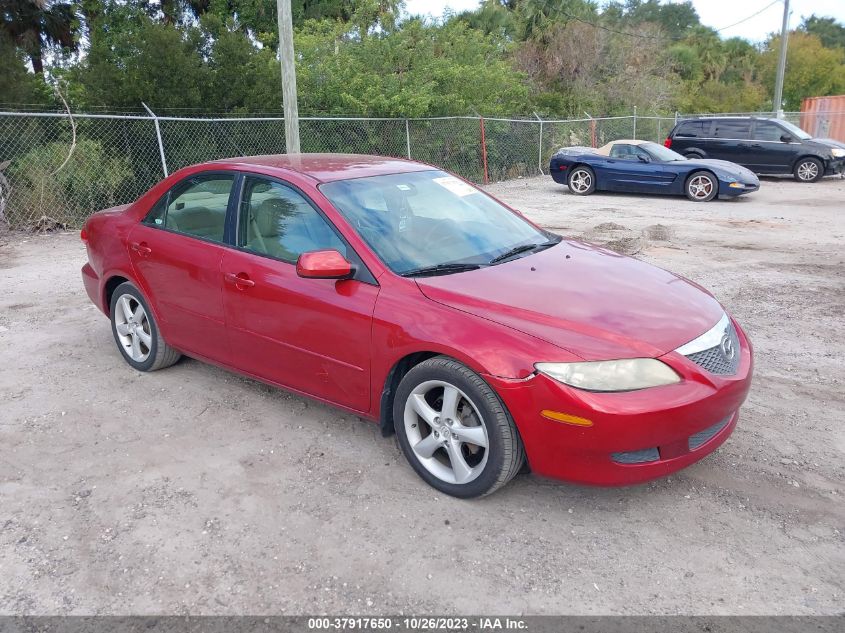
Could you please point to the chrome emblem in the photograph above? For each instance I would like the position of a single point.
(727, 345)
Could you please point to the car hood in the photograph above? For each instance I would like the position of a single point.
(828, 142)
(727, 168)
(590, 301)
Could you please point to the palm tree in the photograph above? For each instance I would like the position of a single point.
(34, 25)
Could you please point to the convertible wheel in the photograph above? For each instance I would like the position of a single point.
(702, 186)
(582, 181)
(454, 430)
(136, 333)
(808, 170)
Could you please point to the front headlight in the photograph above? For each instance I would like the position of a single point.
(611, 375)
(837, 152)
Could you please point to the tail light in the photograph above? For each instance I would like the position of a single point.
(83, 235)
(668, 142)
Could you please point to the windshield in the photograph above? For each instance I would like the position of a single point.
(662, 153)
(794, 129)
(428, 219)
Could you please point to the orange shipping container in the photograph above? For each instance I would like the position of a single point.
(824, 117)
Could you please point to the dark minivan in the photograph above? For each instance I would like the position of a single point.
(765, 146)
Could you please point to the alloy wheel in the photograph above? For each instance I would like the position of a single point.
(700, 187)
(808, 171)
(446, 432)
(133, 328)
(581, 180)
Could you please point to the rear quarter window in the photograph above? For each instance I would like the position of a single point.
(693, 129)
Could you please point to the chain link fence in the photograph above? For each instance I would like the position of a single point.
(57, 168)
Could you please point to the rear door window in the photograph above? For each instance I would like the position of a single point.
(196, 206)
(693, 129)
(731, 129)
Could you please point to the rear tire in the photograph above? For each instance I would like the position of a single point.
(454, 430)
(136, 332)
(701, 186)
(808, 169)
(582, 181)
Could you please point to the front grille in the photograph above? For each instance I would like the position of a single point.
(714, 359)
(702, 437)
(636, 457)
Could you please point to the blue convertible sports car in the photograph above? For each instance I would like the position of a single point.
(644, 167)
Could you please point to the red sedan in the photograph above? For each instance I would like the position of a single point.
(404, 294)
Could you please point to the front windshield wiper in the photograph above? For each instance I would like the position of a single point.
(525, 248)
(439, 269)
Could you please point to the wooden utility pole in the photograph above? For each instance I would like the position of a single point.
(777, 105)
(288, 76)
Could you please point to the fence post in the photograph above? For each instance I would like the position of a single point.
(635, 121)
(408, 138)
(676, 117)
(483, 150)
(158, 136)
(540, 149)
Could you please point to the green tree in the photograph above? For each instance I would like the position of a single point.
(811, 69)
(17, 85)
(132, 58)
(36, 25)
(828, 30)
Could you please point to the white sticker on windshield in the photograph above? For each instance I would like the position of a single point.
(403, 187)
(458, 187)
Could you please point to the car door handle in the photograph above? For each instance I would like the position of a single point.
(142, 249)
(240, 280)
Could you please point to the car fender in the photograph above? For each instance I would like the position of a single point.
(810, 154)
(486, 347)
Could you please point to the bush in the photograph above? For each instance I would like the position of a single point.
(91, 180)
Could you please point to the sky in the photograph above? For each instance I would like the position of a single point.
(713, 13)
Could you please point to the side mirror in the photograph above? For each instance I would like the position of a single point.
(327, 264)
(643, 158)
(786, 138)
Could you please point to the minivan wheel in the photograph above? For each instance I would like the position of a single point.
(582, 181)
(701, 186)
(808, 170)
(136, 333)
(454, 430)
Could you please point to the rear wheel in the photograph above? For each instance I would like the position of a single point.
(136, 333)
(701, 186)
(808, 170)
(454, 430)
(582, 181)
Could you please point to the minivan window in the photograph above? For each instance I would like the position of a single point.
(731, 129)
(693, 129)
(796, 131)
(765, 131)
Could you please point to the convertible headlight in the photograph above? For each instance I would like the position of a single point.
(837, 152)
(611, 375)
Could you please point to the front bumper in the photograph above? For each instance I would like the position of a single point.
(835, 166)
(726, 191)
(670, 427)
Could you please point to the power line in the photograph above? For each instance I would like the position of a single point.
(753, 15)
(662, 37)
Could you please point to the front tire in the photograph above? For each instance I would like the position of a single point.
(808, 170)
(582, 181)
(701, 186)
(136, 333)
(454, 430)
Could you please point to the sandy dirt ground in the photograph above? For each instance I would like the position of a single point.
(193, 490)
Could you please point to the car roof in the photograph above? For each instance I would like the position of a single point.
(605, 149)
(327, 167)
